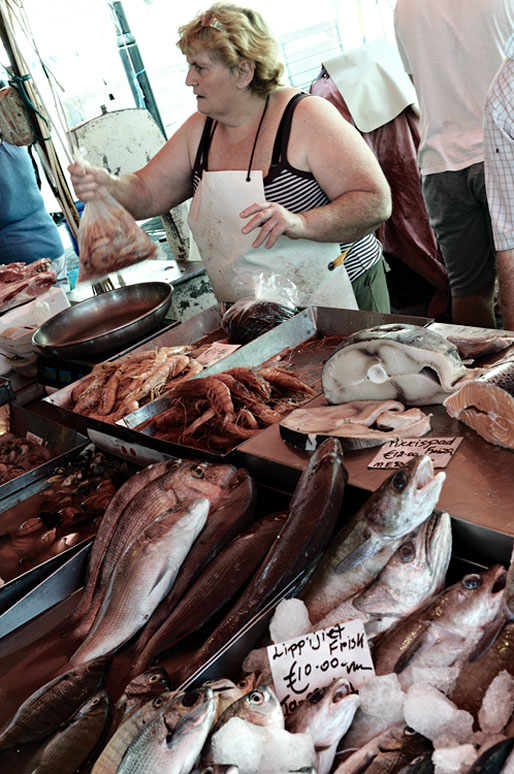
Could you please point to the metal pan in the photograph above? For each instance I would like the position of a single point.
(105, 322)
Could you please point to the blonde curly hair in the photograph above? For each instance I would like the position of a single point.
(230, 34)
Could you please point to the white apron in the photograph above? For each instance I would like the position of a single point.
(226, 252)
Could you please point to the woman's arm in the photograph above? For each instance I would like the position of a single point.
(323, 143)
(153, 190)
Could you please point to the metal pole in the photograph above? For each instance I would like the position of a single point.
(133, 65)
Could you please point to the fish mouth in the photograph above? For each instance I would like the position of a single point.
(425, 480)
(500, 582)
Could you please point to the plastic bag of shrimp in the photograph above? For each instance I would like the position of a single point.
(109, 239)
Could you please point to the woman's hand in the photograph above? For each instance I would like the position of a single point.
(87, 180)
(273, 220)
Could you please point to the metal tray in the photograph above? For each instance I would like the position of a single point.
(289, 340)
(23, 503)
(199, 330)
(103, 322)
(61, 439)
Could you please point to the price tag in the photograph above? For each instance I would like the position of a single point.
(215, 353)
(395, 454)
(35, 438)
(302, 665)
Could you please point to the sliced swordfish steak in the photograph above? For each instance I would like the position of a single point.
(395, 361)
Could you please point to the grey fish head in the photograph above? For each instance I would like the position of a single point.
(151, 681)
(420, 765)
(472, 603)
(401, 503)
(326, 714)
(405, 499)
(100, 703)
(192, 729)
(260, 707)
(416, 570)
(209, 479)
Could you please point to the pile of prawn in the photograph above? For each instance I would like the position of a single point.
(116, 388)
(218, 411)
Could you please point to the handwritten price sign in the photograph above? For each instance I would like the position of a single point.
(396, 454)
(314, 660)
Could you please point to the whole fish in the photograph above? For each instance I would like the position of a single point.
(139, 691)
(174, 703)
(493, 653)
(260, 707)
(367, 542)
(388, 752)
(74, 743)
(143, 576)
(219, 583)
(326, 715)
(163, 746)
(313, 513)
(444, 630)
(234, 512)
(53, 703)
(190, 480)
(108, 524)
(414, 574)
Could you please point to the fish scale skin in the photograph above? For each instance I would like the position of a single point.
(118, 503)
(158, 496)
(53, 703)
(145, 572)
(234, 513)
(71, 746)
(160, 750)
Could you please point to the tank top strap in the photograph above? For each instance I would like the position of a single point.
(284, 130)
(202, 154)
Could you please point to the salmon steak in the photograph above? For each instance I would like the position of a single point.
(486, 404)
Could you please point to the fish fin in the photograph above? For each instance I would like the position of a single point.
(366, 549)
(487, 639)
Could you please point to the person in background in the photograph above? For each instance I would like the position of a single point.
(452, 51)
(281, 183)
(27, 231)
(499, 176)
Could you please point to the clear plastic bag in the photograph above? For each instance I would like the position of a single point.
(272, 304)
(109, 239)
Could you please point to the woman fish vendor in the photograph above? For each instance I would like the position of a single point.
(281, 183)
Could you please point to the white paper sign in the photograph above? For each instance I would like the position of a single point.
(215, 353)
(395, 454)
(302, 665)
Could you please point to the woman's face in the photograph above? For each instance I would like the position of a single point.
(213, 84)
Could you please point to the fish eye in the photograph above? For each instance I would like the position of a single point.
(157, 702)
(198, 471)
(407, 552)
(244, 683)
(342, 692)
(256, 697)
(399, 481)
(316, 696)
(153, 678)
(408, 731)
(472, 581)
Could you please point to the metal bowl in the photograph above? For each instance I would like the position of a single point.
(105, 323)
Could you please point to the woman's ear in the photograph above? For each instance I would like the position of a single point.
(245, 71)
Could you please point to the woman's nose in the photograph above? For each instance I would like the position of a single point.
(190, 79)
